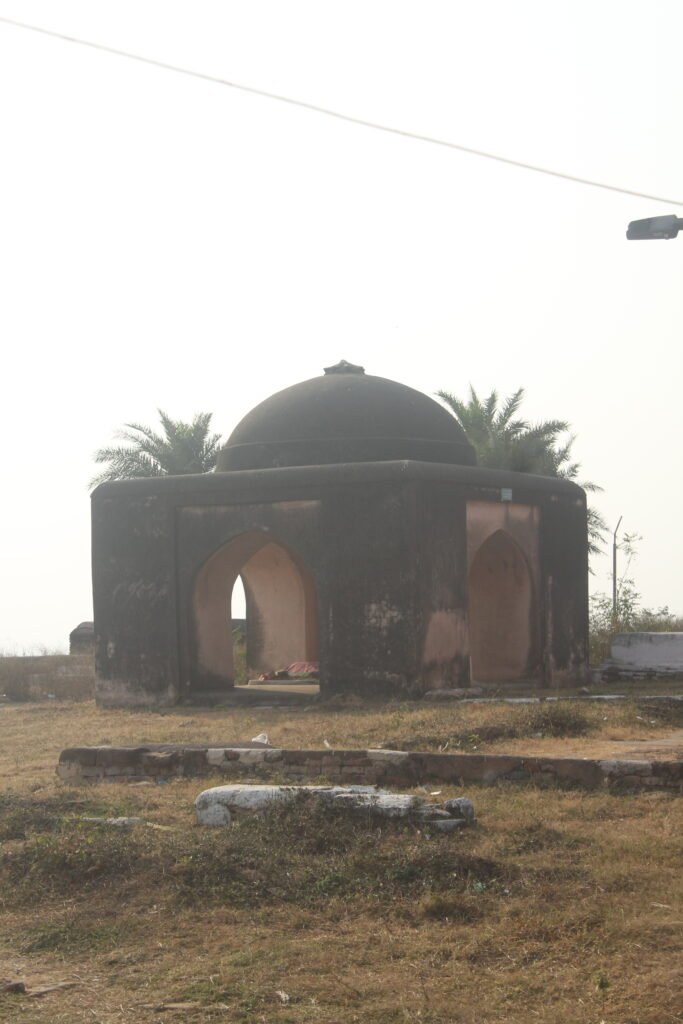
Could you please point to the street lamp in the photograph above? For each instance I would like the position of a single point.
(654, 227)
(614, 571)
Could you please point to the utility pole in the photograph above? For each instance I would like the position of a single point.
(614, 570)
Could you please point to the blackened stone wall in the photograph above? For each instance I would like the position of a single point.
(386, 544)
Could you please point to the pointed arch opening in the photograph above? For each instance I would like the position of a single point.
(281, 608)
(501, 612)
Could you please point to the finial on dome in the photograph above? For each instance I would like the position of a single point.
(343, 367)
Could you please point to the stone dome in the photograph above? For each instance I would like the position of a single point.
(345, 416)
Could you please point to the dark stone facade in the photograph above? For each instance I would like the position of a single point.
(82, 639)
(380, 552)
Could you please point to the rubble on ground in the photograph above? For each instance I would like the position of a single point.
(220, 804)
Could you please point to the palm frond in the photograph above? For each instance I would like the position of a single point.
(502, 439)
(510, 407)
(490, 406)
(183, 448)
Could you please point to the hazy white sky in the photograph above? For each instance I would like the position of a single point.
(169, 242)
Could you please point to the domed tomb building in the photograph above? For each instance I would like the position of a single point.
(368, 542)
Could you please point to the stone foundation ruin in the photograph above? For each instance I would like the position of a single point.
(153, 762)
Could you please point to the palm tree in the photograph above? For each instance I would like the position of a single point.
(183, 448)
(502, 440)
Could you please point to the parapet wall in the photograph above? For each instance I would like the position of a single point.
(643, 655)
(48, 677)
(370, 767)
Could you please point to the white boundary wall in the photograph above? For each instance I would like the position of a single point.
(660, 653)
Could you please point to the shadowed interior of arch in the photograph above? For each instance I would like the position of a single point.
(500, 611)
(281, 610)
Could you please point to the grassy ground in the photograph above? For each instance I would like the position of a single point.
(559, 906)
(583, 729)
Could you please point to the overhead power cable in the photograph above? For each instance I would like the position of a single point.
(349, 118)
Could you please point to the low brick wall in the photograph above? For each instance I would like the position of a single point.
(370, 767)
(46, 677)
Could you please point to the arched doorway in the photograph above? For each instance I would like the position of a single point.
(281, 611)
(500, 612)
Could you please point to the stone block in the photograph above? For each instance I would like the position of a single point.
(670, 772)
(460, 807)
(69, 771)
(573, 771)
(215, 756)
(301, 756)
(388, 756)
(615, 769)
(110, 756)
(80, 755)
(332, 760)
(252, 756)
(157, 763)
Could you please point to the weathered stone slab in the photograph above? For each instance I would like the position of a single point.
(218, 805)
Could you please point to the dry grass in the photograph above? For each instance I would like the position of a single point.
(559, 906)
